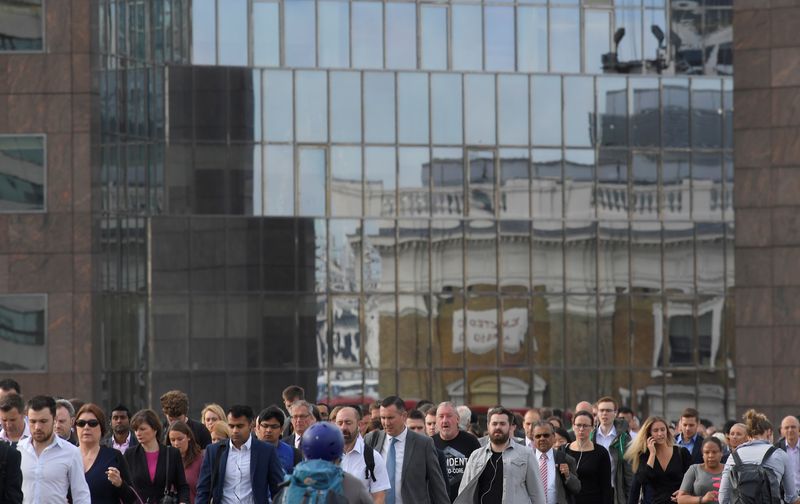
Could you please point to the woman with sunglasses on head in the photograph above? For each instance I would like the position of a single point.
(592, 462)
(104, 468)
(659, 465)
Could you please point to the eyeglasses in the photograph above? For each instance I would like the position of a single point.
(539, 436)
(271, 426)
(579, 426)
(91, 423)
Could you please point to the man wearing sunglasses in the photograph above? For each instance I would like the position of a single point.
(556, 468)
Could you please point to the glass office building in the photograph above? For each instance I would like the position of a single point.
(525, 203)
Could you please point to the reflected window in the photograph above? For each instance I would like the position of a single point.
(22, 173)
(514, 184)
(630, 47)
(345, 262)
(266, 34)
(401, 35)
(578, 111)
(300, 38)
(579, 188)
(413, 181)
(233, 32)
(481, 183)
(480, 109)
(546, 110)
(204, 32)
(512, 102)
(532, 39)
(23, 333)
(380, 174)
(334, 34)
(446, 108)
(644, 199)
(311, 106)
(379, 106)
(467, 36)
(433, 34)
(707, 194)
(645, 112)
(676, 179)
(612, 111)
(546, 174)
(675, 119)
(565, 49)
(499, 38)
(706, 113)
(346, 181)
(345, 106)
(412, 108)
(278, 120)
(597, 39)
(447, 179)
(312, 171)
(278, 180)
(367, 19)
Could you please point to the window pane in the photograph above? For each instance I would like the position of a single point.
(414, 171)
(675, 176)
(578, 111)
(706, 113)
(446, 113)
(379, 107)
(412, 107)
(499, 38)
(311, 193)
(645, 117)
(447, 179)
(675, 101)
(597, 40)
(579, 184)
(630, 47)
(612, 111)
(481, 183)
(512, 99)
(23, 333)
(653, 18)
(565, 49)
(401, 35)
(546, 183)
(300, 41)
(345, 107)
(278, 106)
(266, 34)
(346, 181)
(380, 173)
(434, 37)
(22, 173)
(334, 33)
(467, 36)
(367, 34)
(204, 33)
(644, 199)
(311, 107)
(514, 185)
(546, 110)
(278, 180)
(480, 109)
(532, 39)
(233, 32)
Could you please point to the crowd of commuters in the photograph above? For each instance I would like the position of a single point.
(392, 452)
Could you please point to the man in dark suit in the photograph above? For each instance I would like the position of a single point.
(411, 459)
(121, 437)
(11, 475)
(175, 405)
(243, 469)
(556, 468)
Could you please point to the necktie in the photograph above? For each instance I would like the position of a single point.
(543, 471)
(391, 467)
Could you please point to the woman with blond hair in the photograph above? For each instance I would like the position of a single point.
(211, 414)
(658, 464)
(759, 450)
(220, 431)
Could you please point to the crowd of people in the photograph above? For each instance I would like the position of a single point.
(389, 452)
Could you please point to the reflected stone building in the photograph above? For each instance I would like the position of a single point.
(480, 202)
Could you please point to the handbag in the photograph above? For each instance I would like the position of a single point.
(169, 497)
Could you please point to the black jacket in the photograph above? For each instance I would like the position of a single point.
(151, 491)
(10, 475)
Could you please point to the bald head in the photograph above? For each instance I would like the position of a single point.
(790, 430)
(583, 406)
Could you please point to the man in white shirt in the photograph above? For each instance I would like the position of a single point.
(51, 466)
(612, 434)
(353, 462)
(12, 417)
(556, 469)
(789, 443)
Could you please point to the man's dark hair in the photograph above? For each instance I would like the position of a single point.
(394, 401)
(625, 409)
(271, 412)
(293, 393)
(12, 401)
(241, 410)
(691, 413)
(416, 414)
(705, 422)
(425, 408)
(423, 402)
(726, 429)
(9, 384)
(41, 402)
(315, 412)
(175, 403)
(499, 410)
(374, 405)
(121, 407)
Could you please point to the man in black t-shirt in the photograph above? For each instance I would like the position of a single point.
(456, 444)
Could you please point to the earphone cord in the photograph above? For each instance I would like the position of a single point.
(494, 466)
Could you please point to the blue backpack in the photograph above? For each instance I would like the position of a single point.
(313, 482)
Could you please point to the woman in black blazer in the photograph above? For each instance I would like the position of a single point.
(154, 467)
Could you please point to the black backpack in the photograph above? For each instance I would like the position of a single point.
(369, 461)
(751, 483)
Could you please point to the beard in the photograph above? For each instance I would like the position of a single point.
(499, 437)
(349, 437)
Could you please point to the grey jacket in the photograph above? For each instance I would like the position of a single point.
(778, 463)
(521, 481)
(570, 486)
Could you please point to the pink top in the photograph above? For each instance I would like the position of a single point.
(152, 461)
(192, 475)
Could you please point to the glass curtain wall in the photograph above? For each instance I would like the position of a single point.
(485, 203)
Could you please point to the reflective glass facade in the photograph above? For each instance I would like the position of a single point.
(476, 202)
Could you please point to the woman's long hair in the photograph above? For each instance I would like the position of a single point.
(193, 451)
(639, 444)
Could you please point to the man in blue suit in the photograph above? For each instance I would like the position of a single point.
(242, 469)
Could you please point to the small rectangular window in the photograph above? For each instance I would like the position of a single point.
(22, 173)
(22, 26)
(23, 333)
